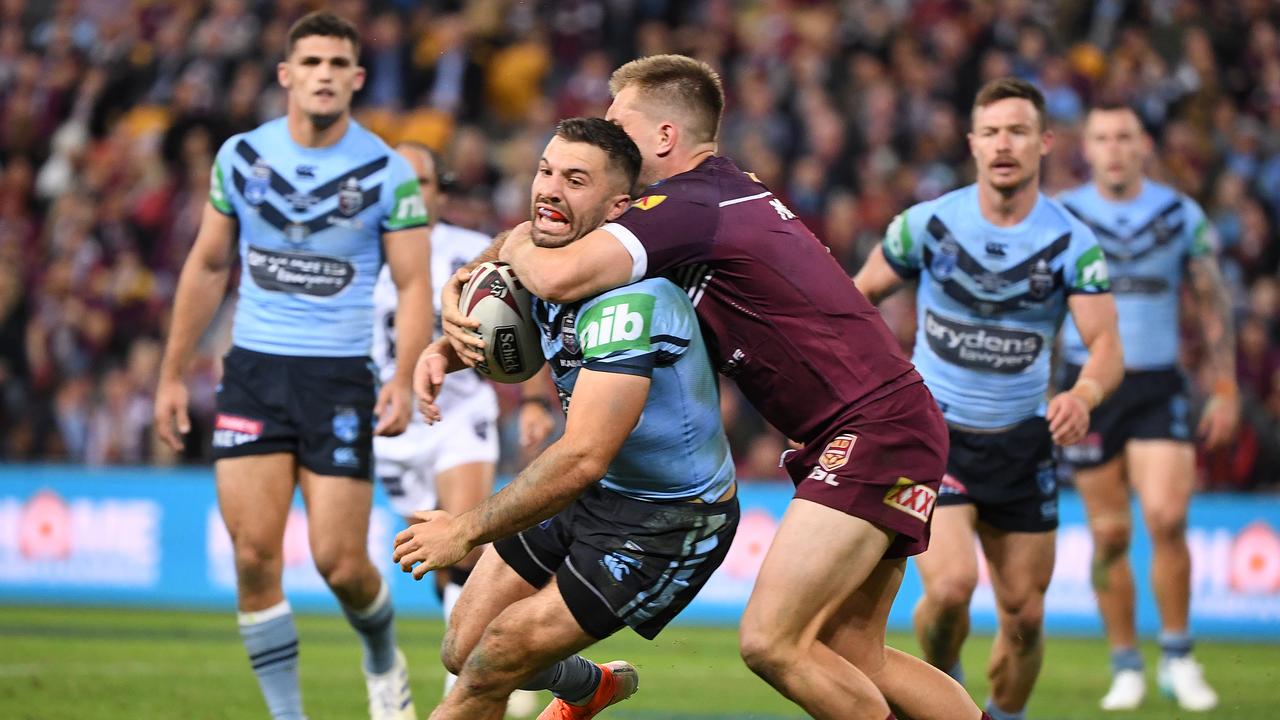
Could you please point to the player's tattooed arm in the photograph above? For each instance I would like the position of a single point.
(1218, 422)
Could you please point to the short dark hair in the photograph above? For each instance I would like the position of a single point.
(323, 24)
(1011, 87)
(680, 82)
(1112, 105)
(623, 154)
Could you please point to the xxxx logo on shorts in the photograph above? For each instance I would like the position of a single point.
(911, 498)
(837, 452)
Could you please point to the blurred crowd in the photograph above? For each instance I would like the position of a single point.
(112, 111)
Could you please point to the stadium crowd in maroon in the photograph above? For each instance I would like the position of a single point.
(110, 112)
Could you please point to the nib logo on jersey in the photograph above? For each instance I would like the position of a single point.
(982, 347)
(615, 324)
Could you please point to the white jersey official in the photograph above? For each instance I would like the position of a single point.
(408, 464)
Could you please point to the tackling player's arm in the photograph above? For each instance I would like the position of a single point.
(204, 276)
(1222, 413)
(1095, 318)
(586, 267)
(409, 260)
(606, 407)
(893, 260)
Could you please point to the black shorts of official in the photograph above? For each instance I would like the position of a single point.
(1148, 405)
(624, 562)
(319, 409)
(1010, 476)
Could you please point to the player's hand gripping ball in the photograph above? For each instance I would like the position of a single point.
(496, 299)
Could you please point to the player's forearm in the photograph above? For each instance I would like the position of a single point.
(1104, 369)
(192, 313)
(1218, 328)
(414, 319)
(546, 487)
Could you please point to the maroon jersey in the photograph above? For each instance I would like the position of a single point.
(779, 314)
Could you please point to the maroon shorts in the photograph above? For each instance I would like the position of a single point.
(883, 463)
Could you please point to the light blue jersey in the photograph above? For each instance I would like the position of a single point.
(678, 450)
(991, 300)
(1148, 241)
(311, 222)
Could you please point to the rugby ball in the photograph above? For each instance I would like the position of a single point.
(513, 344)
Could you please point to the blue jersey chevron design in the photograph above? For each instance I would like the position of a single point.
(1148, 241)
(310, 235)
(990, 301)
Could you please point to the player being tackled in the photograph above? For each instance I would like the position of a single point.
(623, 519)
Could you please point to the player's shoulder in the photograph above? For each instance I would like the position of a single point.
(1062, 220)
(655, 291)
(1166, 195)
(1078, 195)
(949, 205)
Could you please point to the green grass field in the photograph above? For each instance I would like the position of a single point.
(109, 664)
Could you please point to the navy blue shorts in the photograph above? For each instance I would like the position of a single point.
(1010, 476)
(1148, 405)
(318, 409)
(623, 562)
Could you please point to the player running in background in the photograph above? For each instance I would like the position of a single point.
(814, 357)
(999, 265)
(314, 201)
(636, 500)
(449, 466)
(1153, 237)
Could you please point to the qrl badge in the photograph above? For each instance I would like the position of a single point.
(836, 455)
(350, 197)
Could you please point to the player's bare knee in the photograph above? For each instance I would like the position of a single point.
(1111, 540)
(1024, 622)
(341, 573)
(257, 568)
(1167, 527)
(951, 594)
(452, 655)
(765, 652)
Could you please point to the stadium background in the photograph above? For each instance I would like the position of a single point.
(111, 111)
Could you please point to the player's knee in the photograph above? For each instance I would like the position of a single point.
(1111, 540)
(1167, 527)
(764, 652)
(452, 656)
(257, 567)
(1023, 622)
(951, 594)
(340, 572)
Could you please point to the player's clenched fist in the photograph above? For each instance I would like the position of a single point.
(1068, 418)
(431, 543)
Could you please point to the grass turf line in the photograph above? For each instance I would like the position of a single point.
(116, 664)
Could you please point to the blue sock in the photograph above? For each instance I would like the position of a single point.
(1126, 659)
(1175, 645)
(573, 679)
(377, 631)
(272, 642)
(998, 714)
(957, 672)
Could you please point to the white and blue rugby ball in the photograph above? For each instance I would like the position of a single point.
(502, 305)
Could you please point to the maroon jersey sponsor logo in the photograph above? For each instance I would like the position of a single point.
(912, 498)
(837, 452)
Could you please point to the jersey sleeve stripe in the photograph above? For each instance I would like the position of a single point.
(641, 365)
(735, 201)
(639, 257)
